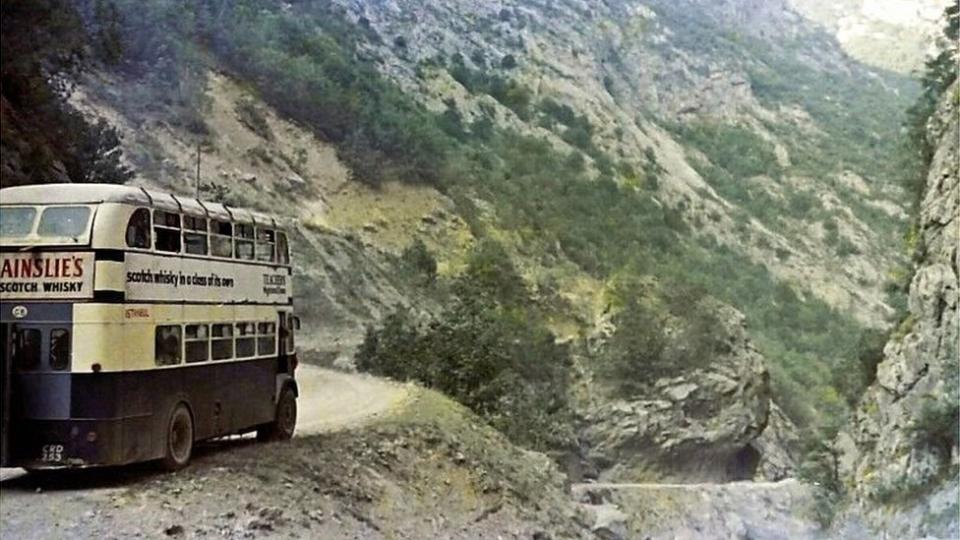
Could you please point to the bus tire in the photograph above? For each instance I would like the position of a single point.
(285, 421)
(178, 446)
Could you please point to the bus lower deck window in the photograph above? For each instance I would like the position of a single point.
(221, 346)
(246, 340)
(167, 345)
(266, 339)
(197, 340)
(59, 349)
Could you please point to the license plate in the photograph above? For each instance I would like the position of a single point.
(51, 453)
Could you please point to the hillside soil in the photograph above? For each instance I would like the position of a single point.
(372, 459)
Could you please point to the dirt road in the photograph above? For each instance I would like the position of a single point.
(333, 400)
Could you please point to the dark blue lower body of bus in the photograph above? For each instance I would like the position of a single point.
(114, 418)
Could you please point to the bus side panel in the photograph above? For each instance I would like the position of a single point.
(117, 404)
(248, 393)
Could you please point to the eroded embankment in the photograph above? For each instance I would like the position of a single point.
(377, 460)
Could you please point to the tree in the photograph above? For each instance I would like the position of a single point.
(634, 356)
(44, 49)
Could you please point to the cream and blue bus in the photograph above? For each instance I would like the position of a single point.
(135, 323)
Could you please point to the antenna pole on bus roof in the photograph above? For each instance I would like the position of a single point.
(198, 170)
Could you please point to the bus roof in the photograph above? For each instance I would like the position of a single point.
(113, 193)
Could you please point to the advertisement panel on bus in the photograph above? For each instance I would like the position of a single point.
(60, 275)
(162, 279)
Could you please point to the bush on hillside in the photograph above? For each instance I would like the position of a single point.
(489, 350)
(420, 261)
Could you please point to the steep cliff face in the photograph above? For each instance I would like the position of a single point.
(905, 429)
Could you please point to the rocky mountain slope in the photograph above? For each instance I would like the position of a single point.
(735, 147)
(257, 158)
(903, 463)
(728, 157)
(654, 84)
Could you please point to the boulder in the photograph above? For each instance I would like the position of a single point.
(609, 523)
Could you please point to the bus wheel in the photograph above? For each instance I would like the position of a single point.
(281, 429)
(179, 446)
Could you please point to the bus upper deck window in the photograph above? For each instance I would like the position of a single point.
(221, 238)
(59, 349)
(138, 229)
(69, 221)
(283, 252)
(16, 222)
(197, 340)
(266, 240)
(166, 225)
(244, 241)
(167, 345)
(195, 235)
(26, 349)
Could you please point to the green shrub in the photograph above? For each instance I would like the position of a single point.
(489, 350)
(251, 116)
(736, 149)
(938, 422)
(420, 261)
(634, 357)
(858, 369)
(508, 92)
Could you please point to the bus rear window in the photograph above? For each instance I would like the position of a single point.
(64, 221)
(26, 349)
(16, 222)
(59, 349)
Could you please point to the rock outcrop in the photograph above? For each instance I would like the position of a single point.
(737, 510)
(904, 431)
(699, 426)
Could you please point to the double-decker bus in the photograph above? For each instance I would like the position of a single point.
(134, 323)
